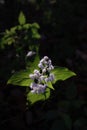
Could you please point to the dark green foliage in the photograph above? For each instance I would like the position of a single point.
(23, 36)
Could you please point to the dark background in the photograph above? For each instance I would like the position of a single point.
(63, 29)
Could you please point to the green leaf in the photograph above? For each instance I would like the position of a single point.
(21, 18)
(13, 29)
(49, 84)
(62, 73)
(32, 98)
(34, 30)
(20, 78)
(35, 25)
(35, 33)
(19, 27)
(33, 64)
(27, 26)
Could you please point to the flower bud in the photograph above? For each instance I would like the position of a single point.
(47, 80)
(45, 58)
(32, 76)
(40, 66)
(44, 70)
(51, 77)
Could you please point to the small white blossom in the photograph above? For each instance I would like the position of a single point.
(49, 69)
(51, 77)
(33, 91)
(30, 53)
(36, 76)
(42, 61)
(39, 89)
(41, 78)
(32, 76)
(49, 62)
(44, 70)
(33, 85)
(37, 72)
(47, 79)
(45, 58)
(52, 67)
(45, 63)
(40, 65)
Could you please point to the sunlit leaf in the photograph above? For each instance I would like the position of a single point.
(20, 78)
(62, 73)
(32, 98)
(49, 84)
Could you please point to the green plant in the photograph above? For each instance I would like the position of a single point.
(17, 44)
(39, 84)
(22, 37)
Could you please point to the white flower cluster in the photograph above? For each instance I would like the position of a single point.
(45, 65)
(42, 76)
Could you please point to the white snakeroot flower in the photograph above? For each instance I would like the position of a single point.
(40, 65)
(52, 67)
(51, 77)
(42, 61)
(39, 89)
(42, 78)
(45, 58)
(49, 62)
(44, 70)
(45, 63)
(49, 69)
(37, 72)
(32, 76)
(36, 76)
(33, 85)
(47, 79)
(30, 53)
(33, 91)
